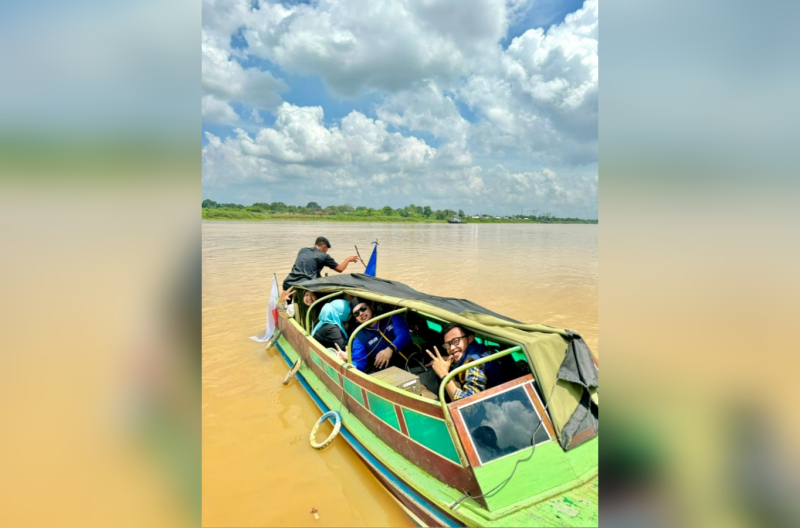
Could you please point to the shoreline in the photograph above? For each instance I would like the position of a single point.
(392, 221)
(262, 217)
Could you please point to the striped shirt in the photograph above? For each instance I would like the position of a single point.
(475, 383)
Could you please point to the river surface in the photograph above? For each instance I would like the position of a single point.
(258, 468)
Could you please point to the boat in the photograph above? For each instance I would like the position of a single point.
(456, 220)
(541, 467)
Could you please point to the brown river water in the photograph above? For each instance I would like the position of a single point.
(258, 468)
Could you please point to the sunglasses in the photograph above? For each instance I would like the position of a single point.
(359, 311)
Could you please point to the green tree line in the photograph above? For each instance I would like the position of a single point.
(410, 212)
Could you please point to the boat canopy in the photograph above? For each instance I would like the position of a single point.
(560, 359)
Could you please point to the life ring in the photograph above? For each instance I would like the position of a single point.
(273, 340)
(337, 424)
(292, 372)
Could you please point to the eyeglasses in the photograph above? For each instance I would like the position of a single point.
(359, 311)
(453, 342)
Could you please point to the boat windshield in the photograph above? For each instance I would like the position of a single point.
(503, 423)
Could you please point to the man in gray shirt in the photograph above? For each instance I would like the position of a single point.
(310, 261)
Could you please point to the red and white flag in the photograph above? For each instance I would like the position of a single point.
(272, 314)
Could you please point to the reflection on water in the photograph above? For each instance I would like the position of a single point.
(258, 469)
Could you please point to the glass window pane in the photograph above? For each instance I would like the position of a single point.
(502, 424)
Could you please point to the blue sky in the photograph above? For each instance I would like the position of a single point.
(481, 105)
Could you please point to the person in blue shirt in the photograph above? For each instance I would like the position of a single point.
(380, 345)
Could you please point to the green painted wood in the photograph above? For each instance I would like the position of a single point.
(383, 410)
(535, 512)
(316, 359)
(547, 469)
(431, 433)
(354, 391)
(330, 371)
(584, 457)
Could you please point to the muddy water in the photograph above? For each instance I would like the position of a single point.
(258, 469)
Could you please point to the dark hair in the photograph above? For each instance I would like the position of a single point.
(322, 240)
(451, 326)
(355, 301)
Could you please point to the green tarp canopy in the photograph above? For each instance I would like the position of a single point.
(560, 359)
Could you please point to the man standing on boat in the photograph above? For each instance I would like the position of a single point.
(310, 261)
(462, 348)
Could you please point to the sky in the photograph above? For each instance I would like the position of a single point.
(489, 106)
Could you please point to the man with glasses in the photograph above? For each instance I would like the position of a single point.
(461, 348)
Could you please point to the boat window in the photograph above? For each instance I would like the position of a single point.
(436, 327)
(503, 423)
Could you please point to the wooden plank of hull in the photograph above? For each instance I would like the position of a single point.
(455, 476)
(446, 471)
(420, 512)
(302, 346)
(429, 409)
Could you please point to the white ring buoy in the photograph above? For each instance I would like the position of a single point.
(292, 372)
(337, 424)
(273, 340)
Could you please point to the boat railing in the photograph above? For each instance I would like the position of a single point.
(310, 308)
(366, 324)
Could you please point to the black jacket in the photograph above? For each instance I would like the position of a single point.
(329, 335)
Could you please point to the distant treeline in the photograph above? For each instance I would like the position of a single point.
(410, 213)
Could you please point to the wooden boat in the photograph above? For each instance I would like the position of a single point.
(456, 220)
(426, 451)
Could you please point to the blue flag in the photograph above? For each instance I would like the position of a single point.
(373, 261)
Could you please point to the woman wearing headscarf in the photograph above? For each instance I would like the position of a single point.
(329, 330)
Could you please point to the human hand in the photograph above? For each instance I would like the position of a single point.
(383, 358)
(341, 353)
(440, 366)
(285, 295)
(353, 258)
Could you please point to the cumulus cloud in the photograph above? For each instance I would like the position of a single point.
(225, 80)
(225, 164)
(543, 91)
(216, 111)
(425, 108)
(356, 155)
(363, 44)
(299, 136)
(531, 107)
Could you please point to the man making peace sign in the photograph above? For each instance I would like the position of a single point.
(462, 348)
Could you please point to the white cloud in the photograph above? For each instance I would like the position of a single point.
(225, 80)
(362, 44)
(425, 108)
(225, 164)
(531, 107)
(540, 98)
(299, 136)
(216, 111)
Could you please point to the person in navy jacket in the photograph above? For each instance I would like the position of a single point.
(380, 345)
